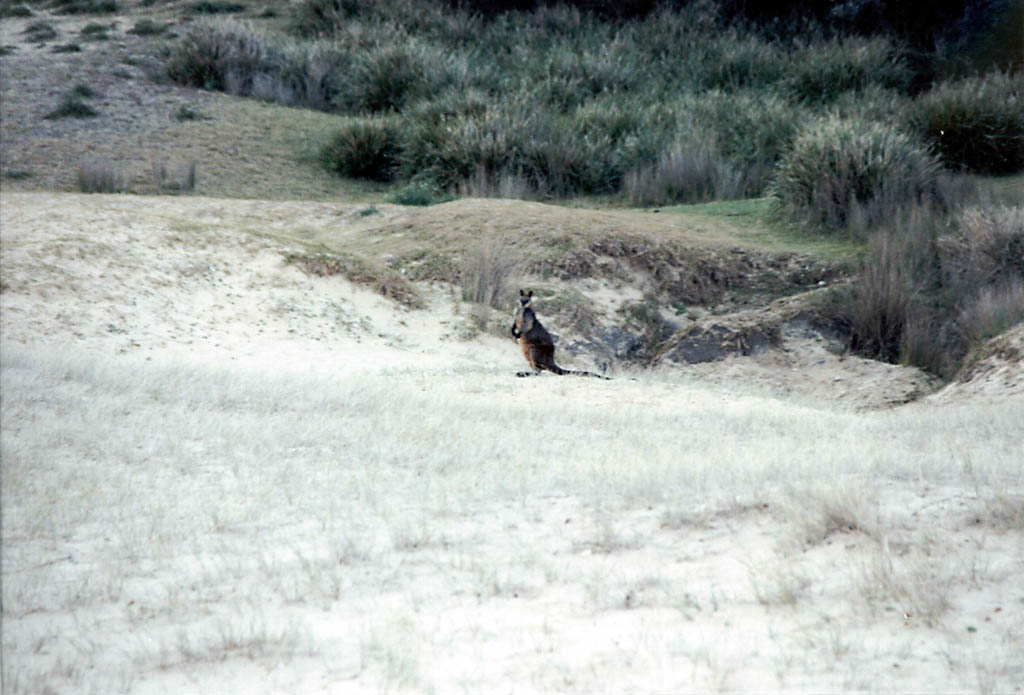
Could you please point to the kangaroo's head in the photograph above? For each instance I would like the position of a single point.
(525, 301)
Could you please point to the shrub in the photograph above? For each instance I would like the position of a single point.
(976, 124)
(67, 48)
(364, 148)
(841, 172)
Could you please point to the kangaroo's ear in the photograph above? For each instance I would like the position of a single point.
(530, 293)
(521, 293)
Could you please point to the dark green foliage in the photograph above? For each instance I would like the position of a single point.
(365, 148)
(976, 124)
(67, 48)
(562, 100)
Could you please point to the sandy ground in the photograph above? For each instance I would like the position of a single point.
(533, 592)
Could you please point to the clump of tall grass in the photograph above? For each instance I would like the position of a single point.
(976, 123)
(364, 148)
(216, 55)
(692, 170)
(489, 272)
(73, 105)
(99, 176)
(932, 286)
(845, 171)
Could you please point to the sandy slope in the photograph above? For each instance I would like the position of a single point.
(205, 279)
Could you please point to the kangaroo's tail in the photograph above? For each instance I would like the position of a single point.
(577, 372)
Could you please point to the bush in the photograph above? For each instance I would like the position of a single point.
(364, 148)
(976, 124)
(841, 173)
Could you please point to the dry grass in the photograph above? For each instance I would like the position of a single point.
(247, 521)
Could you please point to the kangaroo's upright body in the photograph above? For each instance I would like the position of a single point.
(536, 343)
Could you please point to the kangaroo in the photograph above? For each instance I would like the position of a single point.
(536, 343)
